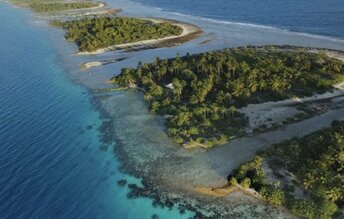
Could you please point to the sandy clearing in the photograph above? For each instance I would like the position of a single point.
(227, 157)
(276, 112)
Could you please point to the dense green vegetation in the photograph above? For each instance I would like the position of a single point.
(26, 3)
(53, 5)
(60, 6)
(100, 32)
(200, 93)
(317, 164)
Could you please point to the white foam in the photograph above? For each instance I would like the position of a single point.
(321, 37)
(158, 9)
(225, 22)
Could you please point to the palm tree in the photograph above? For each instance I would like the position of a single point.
(177, 89)
(148, 97)
(335, 194)
(232, 110)
(223, 111)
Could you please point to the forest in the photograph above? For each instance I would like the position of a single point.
(60, 6)
(316, 164)
(26, 3)
(53, 5)
(200, 94)
(92, 33)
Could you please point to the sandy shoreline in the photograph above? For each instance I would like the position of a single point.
(189, 30)
(226, 190)
(76, 14)
(100, 5)
(91, 64)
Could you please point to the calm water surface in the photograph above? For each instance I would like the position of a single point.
(310, 16)
(50, 162)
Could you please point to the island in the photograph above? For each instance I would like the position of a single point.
(199, 95)
(55, 6)
(41, 6)
(93, 33)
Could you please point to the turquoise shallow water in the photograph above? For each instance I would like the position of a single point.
(51, 164)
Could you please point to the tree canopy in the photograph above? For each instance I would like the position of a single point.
(317, 162)
(39, 6)
(27, 3)
(92, 33)
(200, 93)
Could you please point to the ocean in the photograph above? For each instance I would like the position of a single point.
(308, 16)
(51, 163)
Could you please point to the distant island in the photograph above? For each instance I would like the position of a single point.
(99, 31)
(46, 6)
(305, 175)
(199, 94)
(92, 33)
(55, 6)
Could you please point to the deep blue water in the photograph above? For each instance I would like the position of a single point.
(50, 162)
(311, 16)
